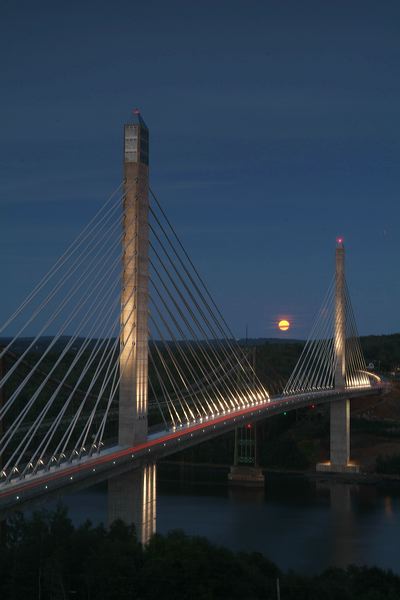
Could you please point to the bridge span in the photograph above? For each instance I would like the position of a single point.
(116, 460)
(123, 322)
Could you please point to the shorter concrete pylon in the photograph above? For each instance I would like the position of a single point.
(339, 410)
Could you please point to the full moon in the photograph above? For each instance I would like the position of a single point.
(283, 325)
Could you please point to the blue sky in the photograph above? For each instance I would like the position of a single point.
(274, 128)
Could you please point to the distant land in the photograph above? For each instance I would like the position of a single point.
(281, 353)
(270, 340)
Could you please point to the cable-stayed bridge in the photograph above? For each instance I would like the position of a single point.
(129, 359)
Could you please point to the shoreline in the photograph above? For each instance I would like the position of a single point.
(317, 476)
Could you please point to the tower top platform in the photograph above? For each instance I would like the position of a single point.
(137, 119)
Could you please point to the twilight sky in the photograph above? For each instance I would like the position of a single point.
(274, 128)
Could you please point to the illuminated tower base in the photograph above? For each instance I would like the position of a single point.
(339, 440)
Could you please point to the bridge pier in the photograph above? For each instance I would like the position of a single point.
(340, 410)
(245, 471)
(132, 498)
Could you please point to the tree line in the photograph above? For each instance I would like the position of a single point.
(45, 557)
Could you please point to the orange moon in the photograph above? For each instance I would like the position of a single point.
(283, 325)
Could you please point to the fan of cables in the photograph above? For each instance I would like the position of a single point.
(197, 368)
(60, 360)
(316, 367)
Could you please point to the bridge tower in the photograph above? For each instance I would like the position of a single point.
(339, 410)
(132, 496)
(134, 300)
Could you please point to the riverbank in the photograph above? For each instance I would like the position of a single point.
(293, 444)
(217, 474)
(297, 522)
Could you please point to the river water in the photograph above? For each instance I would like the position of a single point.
(297, 523)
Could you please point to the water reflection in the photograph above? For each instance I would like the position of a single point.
(298, 524)
(388, 507)
(341, 523)
(239, 495)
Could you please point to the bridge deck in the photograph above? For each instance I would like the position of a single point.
(115, 460)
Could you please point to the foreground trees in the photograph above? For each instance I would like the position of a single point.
(46, 558)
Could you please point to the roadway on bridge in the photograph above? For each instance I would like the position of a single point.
(115, 460)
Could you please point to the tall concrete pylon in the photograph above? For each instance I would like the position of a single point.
(132, 496)
(134, 300)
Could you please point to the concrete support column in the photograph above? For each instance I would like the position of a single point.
(132, 498)
(340, 434)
